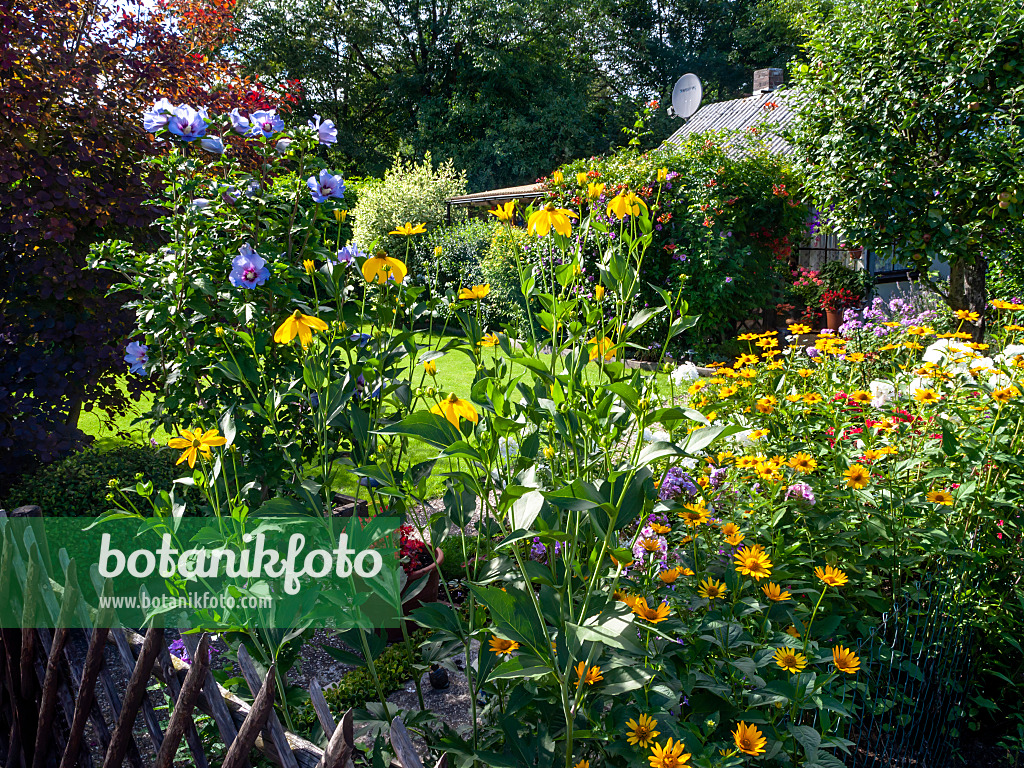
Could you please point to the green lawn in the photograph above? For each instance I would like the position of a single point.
(455, 373)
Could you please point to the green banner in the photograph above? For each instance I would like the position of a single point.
(217, 574)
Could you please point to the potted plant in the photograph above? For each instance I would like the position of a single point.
(834, 302)
(806, 291)
(844, 287)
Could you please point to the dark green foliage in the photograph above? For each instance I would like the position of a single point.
(509, 91)
(454, 565)
(78, 485)
(459, 262)
(911, 129)
(394, 667)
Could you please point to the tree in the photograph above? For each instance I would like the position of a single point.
(912, 129)
(74, 79)
(508, 90)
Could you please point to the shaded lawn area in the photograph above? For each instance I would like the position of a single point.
(455, 372)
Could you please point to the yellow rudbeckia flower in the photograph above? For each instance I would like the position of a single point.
(476, 292)
(380, 269)
(408, 229)
(298, 323)
(594, 190)
(625, 204)
(505, 212)
(453, 408)
(195, 442)
(542, 221)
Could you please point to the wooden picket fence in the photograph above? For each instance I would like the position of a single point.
(48, 693)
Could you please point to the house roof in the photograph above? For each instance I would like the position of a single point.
(741, 114)
(525, 191)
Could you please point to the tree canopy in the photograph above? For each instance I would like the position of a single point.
(509, 90)
(912, 129)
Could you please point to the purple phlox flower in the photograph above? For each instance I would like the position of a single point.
(349, 254)
(326, 186)
(187, 123)
(640, 551)
(801, 491)
(248, 269)
(157, 116)
(266, 122)
(240, 122)
(326, 131)
(137, 358)
(717, 475)
(812, 352)
(538, 551)
(675, 484)
(213, 144)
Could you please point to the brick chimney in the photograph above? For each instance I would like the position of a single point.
(766, 80)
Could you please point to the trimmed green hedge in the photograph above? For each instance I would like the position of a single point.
(77, 486)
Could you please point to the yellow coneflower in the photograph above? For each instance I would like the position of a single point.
(588, 675)
(833, 577)
(194, 443)
(502, 647)
(453, 409)
(653, 615)
(301, 325)
(845, 660)
(775, 593)
(477, 292)
(753, 561)
(857, 476)
(944, 498)
(790, 660)
(803, 462)
(669, 756)
(926, 396)
(641, 731)
(749, 740)
(712, 589)
(669, 575)
(408, 230)
(1003, 396)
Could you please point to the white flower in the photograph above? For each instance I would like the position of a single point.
(685, 372)
(282, 146)
(881, 393)
(656, 435)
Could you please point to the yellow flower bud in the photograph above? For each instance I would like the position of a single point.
(310, 266)
(599, 293)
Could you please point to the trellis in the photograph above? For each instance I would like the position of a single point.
(48, 693)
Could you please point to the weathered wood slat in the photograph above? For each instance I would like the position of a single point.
(277, 734)
(341, 747)
(182, 714)
(306, 754)
(255, 721)
(86, 697)
(133, 698)
(149, 716)
(217, 709)
(110, 688)
(323, 711)
(64, 698)
(195, 744)
(52, 679)
(402, 745)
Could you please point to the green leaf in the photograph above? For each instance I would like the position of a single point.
(429, 427)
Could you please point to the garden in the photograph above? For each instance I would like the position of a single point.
(650, 491)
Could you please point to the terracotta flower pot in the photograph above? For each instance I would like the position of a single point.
(426, 595)
(833, 319)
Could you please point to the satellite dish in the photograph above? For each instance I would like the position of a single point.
(686, 95)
